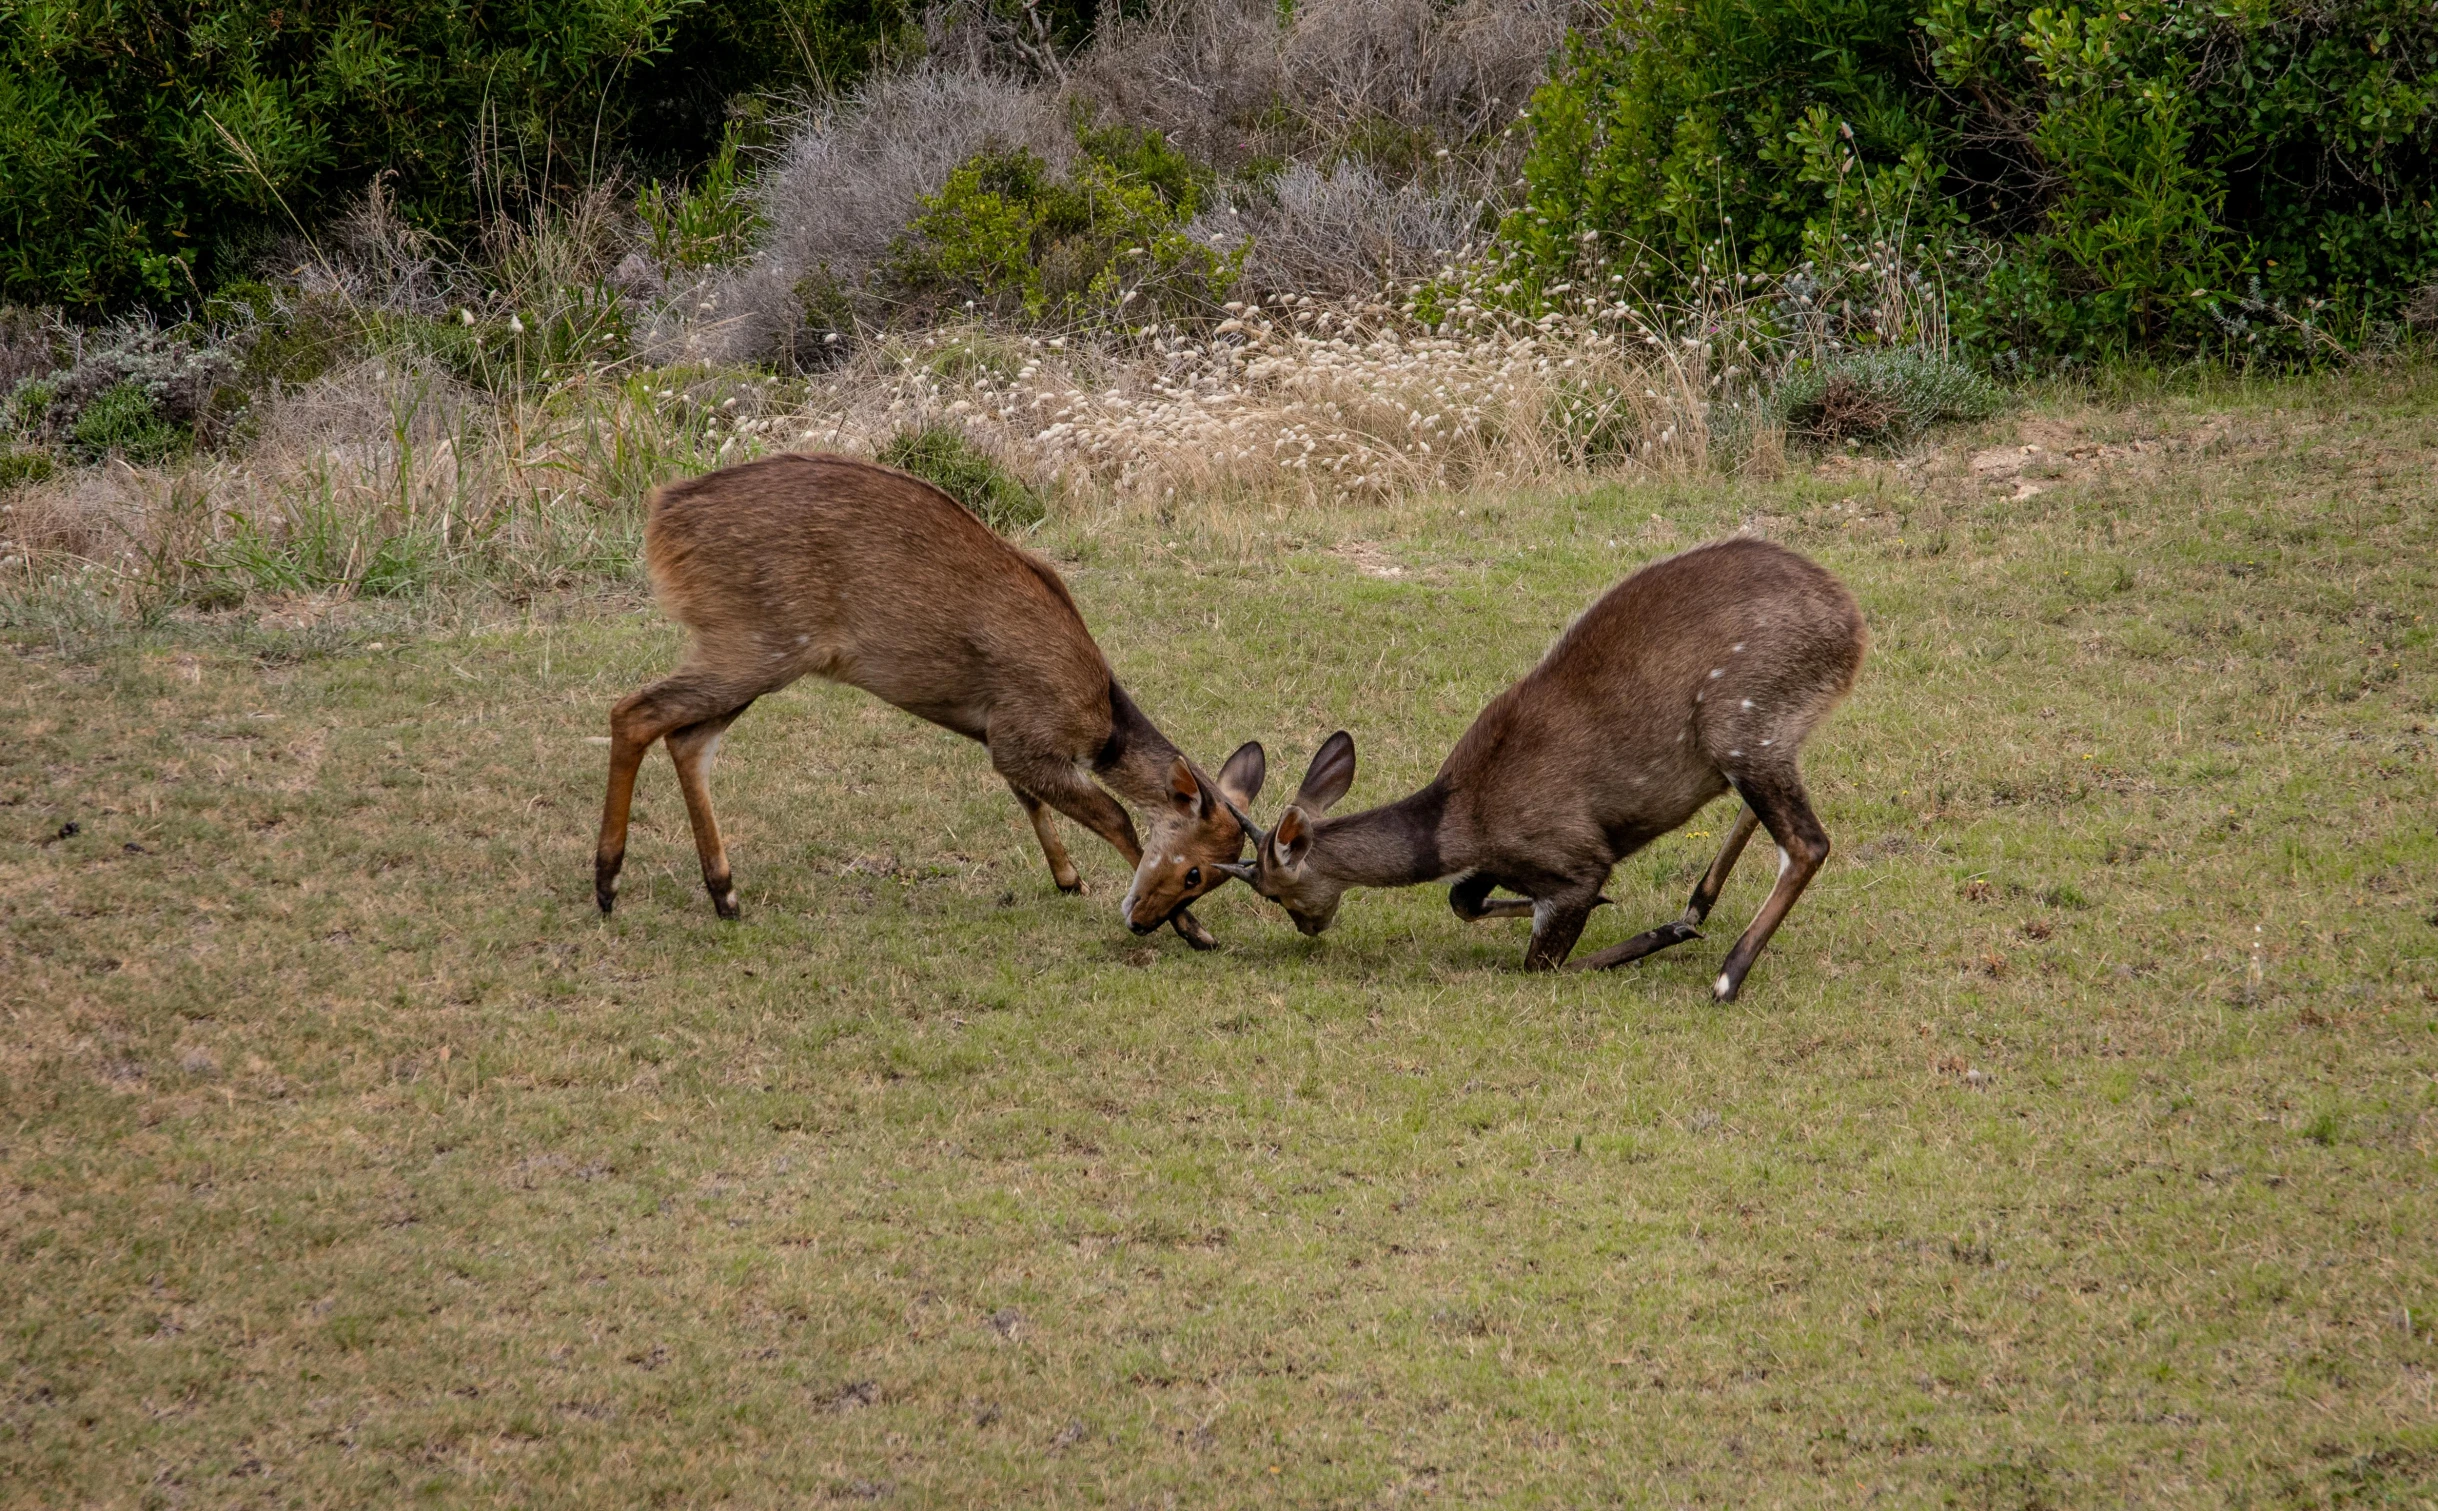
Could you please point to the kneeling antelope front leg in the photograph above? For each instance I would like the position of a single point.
(1470, 898)
(1557, 922)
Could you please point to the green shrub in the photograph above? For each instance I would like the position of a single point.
(24, 467)
(2162, 176)
(124, 420)
(1103, 242)
(954, 465)
(150, 149)
(1886, 395)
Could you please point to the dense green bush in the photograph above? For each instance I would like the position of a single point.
(2238, 176)
(954, 465)
(150, 149)
(1105, 240)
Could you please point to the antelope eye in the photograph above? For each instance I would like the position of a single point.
(1193, 878)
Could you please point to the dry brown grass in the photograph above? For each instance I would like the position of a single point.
(388, 474)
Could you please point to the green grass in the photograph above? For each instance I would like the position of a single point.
(2073, 1145)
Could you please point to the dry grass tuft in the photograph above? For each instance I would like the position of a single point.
(1298, 401)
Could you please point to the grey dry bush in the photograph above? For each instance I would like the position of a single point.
(131, 388)
(1344, 231)
(1233, 80)
(1392, 113)
(842, 190)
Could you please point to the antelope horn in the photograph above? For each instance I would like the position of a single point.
(1245, 821)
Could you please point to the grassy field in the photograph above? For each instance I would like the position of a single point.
(2075, 1144)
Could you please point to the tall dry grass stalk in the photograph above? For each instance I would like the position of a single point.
(388, 475)
(1296, 400)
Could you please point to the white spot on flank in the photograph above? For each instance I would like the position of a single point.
(1718, 671)
(1748, 703)
(801, 639)
(1769, 742)
(1736, 648)
(1735, 752)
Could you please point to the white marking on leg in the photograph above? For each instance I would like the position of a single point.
(1722, 986)
(1786, 862)
(729, 901)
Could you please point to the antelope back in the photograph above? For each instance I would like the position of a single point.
(857, 572)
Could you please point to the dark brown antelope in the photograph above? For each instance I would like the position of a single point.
(824, 566)
(1696, 675)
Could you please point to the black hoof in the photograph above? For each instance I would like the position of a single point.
(605, 883)
(723, 898)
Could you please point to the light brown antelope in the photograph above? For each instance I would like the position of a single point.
(1696, 675)
(824, 566)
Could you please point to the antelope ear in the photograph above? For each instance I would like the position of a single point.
(1241, 777)
(1186, 788)
(1291, 841)
(1331, 773)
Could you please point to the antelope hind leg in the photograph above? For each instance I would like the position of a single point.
(1803, 846)
(691, 750)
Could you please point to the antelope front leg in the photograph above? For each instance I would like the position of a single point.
(1557, 922)
(1649, 942)
(1053, 849)
(1470, 899)
(1190, 929)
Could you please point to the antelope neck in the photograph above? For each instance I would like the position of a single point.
(1135, 759)
(1394, 845)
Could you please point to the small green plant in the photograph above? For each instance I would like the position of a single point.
(949, 462)
(1880, 396)
(24, 467)
(707, 223)
(315, 545)
(124, 421)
